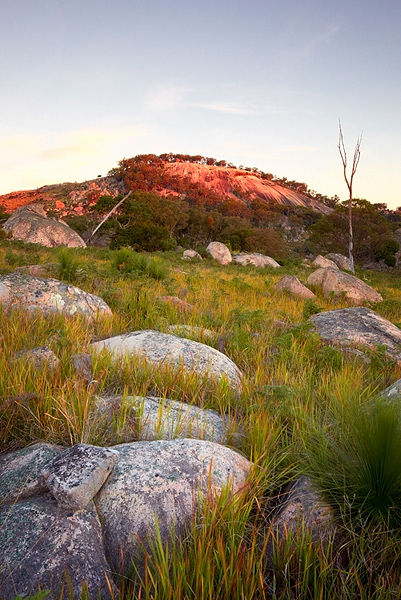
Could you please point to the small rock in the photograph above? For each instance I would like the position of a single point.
(219, 252)
(303, 509)
(191, 254)
(393, 392)
(40, 358)
(340, 260)
(47, 270)
(256, 259)
(291, 284)
(324, 263)
(204, 335)
(350, 327)
(178, 302)
(83, 367)
(77, 474)
(48, 296)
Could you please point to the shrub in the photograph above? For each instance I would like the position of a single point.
(128, 261)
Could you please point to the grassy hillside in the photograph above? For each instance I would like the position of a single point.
(297, 391)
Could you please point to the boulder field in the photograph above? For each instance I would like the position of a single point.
(83, 516)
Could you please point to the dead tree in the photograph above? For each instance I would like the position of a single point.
(108, 215)
(349, 182)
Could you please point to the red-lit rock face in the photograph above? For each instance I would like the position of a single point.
(227, 183)
(224, 181)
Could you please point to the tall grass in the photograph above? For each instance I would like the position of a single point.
(305, 407)
(128, 261)
(355, 461)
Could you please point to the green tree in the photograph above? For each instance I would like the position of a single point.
(372, 233)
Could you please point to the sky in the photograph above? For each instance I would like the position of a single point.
(259, 83)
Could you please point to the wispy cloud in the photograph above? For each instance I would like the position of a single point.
(166, 97)
(323, 37)
(225, 107)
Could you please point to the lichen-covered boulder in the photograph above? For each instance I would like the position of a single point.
(49, 296)
(256, 259)
(292, 285)
(44, 547)
(20, 471)
(76, 475)
(304, 507)
(334, 281)
(324, 263)
(219, 252)
(30, 224)
(153, 418)
(342, 262)
(301, 512)
(41, 357)
(165, 419)
(159, 484)
(350, 327)
(160, 348)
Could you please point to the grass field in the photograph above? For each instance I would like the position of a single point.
(305, 406)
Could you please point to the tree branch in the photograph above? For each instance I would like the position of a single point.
(108, 215)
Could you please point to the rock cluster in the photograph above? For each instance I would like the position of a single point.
(84, 515)
(80, 516)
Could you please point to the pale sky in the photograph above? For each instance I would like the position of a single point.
(259, 83)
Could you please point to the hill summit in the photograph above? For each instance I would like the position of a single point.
(199, 180)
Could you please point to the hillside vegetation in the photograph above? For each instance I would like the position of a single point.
(298, 411)
(192, 200)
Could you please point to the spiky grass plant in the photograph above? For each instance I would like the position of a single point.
(69, 266)
(355, 462)
(128, 261)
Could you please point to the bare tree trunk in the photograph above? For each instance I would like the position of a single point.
(351, 238)
(108, 215)
(349, 182)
